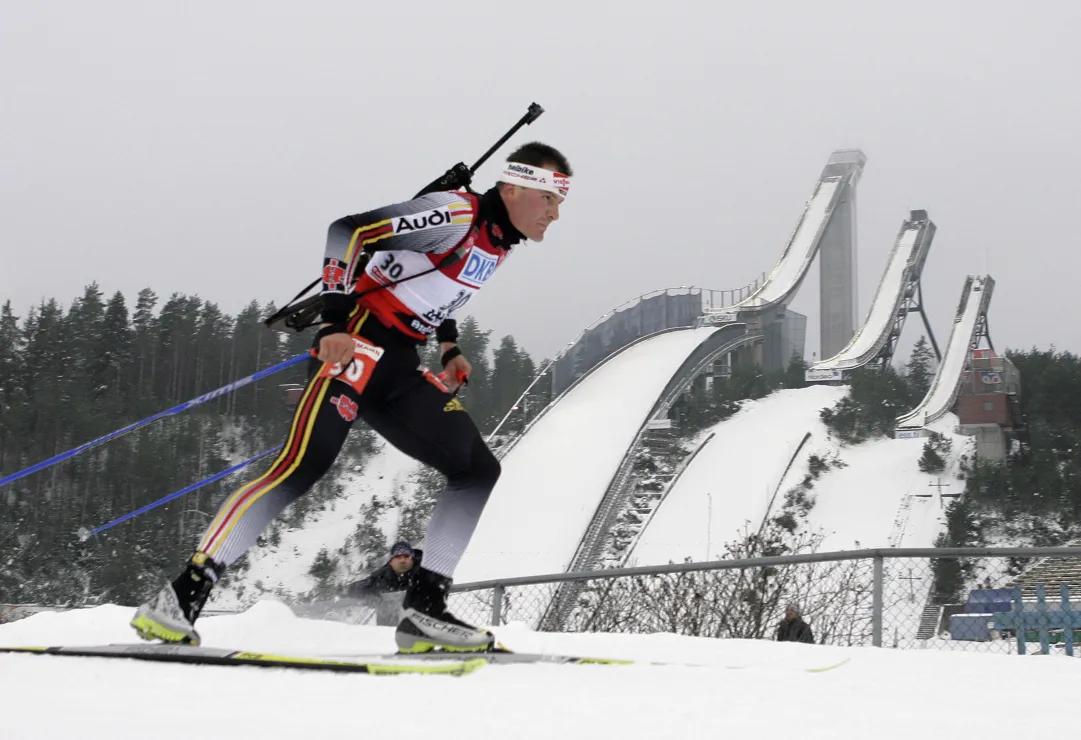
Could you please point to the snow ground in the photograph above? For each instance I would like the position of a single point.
(862, 505)
(737, 688)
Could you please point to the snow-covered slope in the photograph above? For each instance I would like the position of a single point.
(733, 478)
(283, 568)
(771, 693)
(869, 502)
(555, 477)
(881, 499)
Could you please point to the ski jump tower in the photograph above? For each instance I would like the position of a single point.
(828, 225)
(837, 258)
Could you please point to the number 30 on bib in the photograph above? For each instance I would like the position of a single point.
(359, 371)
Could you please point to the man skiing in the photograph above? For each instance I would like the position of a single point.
(418, 262)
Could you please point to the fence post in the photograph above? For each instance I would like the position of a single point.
(876, 603)
(497, 604)
(1067, 632)
(1019, 610)
(1041, 609)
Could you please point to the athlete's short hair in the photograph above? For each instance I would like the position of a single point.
(541, 155)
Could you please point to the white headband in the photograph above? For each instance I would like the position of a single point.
(528, 176)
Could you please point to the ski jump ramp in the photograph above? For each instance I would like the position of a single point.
(893, 301)
(969, 326)
(555, 477)
(842, 172)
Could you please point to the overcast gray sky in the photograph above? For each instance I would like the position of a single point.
(204, 147)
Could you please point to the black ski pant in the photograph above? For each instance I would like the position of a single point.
(410, 410)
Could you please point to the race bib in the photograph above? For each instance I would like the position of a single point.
(359, 371)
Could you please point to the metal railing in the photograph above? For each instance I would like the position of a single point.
(944, 598)
(1016, 600)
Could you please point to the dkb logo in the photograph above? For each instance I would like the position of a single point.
(478, 268)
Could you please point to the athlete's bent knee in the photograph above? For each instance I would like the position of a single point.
(479, 470)
(485, 468)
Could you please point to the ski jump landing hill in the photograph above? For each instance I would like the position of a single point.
(970, 327)
(899, 293)
(567, 476)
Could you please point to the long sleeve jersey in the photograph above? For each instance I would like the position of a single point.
(457, 239)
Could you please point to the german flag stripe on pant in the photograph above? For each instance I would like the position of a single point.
(287, 461)
(302, 461)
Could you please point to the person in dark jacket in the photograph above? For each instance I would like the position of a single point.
(395, 575)
(792, 628)
(378, 589)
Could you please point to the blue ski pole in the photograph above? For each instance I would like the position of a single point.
(85, 534)
(170, 412)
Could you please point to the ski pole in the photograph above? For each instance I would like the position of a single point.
(85, 534)
(170, 412)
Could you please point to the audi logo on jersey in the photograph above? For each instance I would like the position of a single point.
(438, 217)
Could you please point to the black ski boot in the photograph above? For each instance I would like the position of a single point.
(427, 625)
(170, 616)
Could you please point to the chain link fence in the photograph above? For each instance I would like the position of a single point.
(975, 599)
(1008, 600)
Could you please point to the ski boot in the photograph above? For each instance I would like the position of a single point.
(427, 625)
(170, 616)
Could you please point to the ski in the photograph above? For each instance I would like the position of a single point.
(437, 662)
(384, 665)
(496, 657)
(509, 657)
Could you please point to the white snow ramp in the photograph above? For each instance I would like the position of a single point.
(557, 474)
(944, 387)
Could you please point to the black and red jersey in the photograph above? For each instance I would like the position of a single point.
(411, 238)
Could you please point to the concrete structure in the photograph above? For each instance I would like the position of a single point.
(784, 336)
(838, 303)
